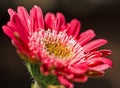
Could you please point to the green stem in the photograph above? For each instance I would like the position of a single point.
(36, 85)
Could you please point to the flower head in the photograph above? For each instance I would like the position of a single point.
(59, 47)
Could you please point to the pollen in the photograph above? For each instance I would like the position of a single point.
(57, 49)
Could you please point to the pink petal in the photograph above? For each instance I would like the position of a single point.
(69, 75)
(23, 15)
(105, 52)
(7, 30)
(86, 37)
(74, 28)
(56, 23)
(50, 20)
(60, 22)
(107, 61)
(16, 25)
(100, 53)
(80, 79)
(79, 68)
(98, 61)
(100, 67)
(37, 21)
(16, 39)
(11, 13)
(94, 44)
(64, 82)
(20, 47)
(11, 34)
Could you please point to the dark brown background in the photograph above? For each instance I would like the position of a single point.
(101, 15)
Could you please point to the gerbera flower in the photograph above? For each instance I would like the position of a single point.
(59, 47)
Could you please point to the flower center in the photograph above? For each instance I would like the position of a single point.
(58, 49)
(53, 44)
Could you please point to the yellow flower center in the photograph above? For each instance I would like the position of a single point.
(57, 49)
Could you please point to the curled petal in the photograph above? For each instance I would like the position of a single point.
(69, 76)
(65, 82)
(80, 78)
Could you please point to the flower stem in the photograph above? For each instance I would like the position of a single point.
(36, 85)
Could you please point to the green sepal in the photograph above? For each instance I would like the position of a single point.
(43, 81)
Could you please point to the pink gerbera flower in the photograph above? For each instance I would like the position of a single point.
(59, 46)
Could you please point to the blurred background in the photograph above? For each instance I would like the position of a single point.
(103, 16)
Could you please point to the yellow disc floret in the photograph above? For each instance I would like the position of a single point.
(58, 49)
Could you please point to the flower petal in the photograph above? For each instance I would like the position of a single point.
(60, 22)
(74, 28)
(86, 37)
(56, 23)
(37, 21)
(25, 18)
(80, 78)
(11, 13)
(64, 82)
(99, 63)
(16, 25)
(7, 30)
(94, 44)
(105, 52)
(79, 68)
(50, 20)
(99, 53)
(100, 67)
